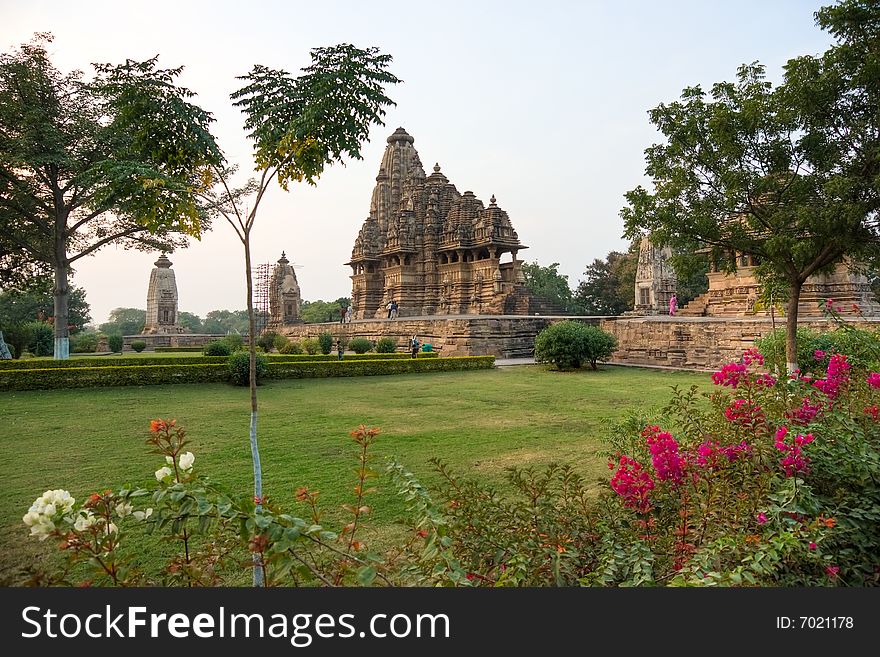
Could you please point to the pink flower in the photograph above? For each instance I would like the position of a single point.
(730, 375)
(819, 354)
(873, 411)
(794, 462)
(762, 518)
(832, 571)
(667, 462)
(812, 545)
(633, 483)
(809, 409)
(836, 376)
(744, 413)
(874, 380)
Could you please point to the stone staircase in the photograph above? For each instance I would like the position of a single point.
(522, 302)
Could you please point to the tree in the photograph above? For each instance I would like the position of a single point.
(125, 321)
(547, 283)
(33, 302)
(315, 312)
(84, 164)
(192, 323)
(608, 287)
(298, 126)
(226, 321)
(740, 173)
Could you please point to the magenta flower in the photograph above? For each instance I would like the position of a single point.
(832, 571)
(812, 545)
(762, 518)
(874, 380)
(667, 462)
(819, 354)
(633, 483)
(794, 461)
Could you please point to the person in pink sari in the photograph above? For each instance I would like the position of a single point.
(673, 304)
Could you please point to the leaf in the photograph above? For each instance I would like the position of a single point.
(366, 575)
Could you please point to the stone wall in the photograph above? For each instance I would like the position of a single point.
(696, 342)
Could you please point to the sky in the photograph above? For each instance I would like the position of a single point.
(543, 104)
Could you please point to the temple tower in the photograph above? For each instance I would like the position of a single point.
(284, 295)
(162, 299)
(655, 279)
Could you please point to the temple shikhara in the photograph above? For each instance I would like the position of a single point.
(285, 300)
(431, 249)
(162, 299)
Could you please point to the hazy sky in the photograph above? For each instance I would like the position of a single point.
(541, 103)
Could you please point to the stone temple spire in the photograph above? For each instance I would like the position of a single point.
(162, 299)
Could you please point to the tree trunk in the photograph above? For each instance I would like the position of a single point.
(255, 452)
(791, 323)
(61, 296)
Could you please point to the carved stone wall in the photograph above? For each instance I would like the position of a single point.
(655, 280)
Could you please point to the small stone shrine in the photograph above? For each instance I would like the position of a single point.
(284, 295)
(655, 280)
(162, 300)
(432, 249)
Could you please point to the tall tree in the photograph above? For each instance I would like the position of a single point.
(298, 126)
(224, 321)
(739, 173)
(608, 287)
(33, 302)
(549, 284)
(124, 321)
(84, 164)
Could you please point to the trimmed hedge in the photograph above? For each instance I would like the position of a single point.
(165, 350)
(373, 367)
(88, 377)
(296, 358)
(91, 377)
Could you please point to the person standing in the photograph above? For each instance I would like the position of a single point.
(348, 314)
(414, 345)
(673, 304)
(389, 307)
(394, 309)
(339, 348)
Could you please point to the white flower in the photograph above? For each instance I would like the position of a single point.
(142, 515)
(186, 461)
(123, 509)
(163, 472)
(112, 529)
(84, 521)
(40, 517)
(169, 460)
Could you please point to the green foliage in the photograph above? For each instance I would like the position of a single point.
(351, 366)
(317, 312)
(138, 345)
(86, 342)
(113, 375)
(386, 345)
(360, 345)
(235, 342)
(290, 347)
(32, 301)
(309, 345)
(239, 365)
(42, 341)
(608, 287)
(114, 343)
(191, 322)
(226, 321)
(569, 344)
(280, 342)
(165, 350)
(325, 342)
(862, 348)
(547, 283)
(217, 348)
(267, 340)
(124, 321)
(112, 361)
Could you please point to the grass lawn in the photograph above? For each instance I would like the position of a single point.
(480, 422)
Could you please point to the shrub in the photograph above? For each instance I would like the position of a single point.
(111, 361)
(386, 345)
(280, 342)
(360, 345)
(217, 348)
(309, 345)
(85, 342)
(815, 349)
(267, 340)
(139, 345)
(325, 340)
(331, 367)
(92, 377)
(114, 343)
(235, 342)
(239, 365)
(42, 339)
(570, 344)
(290, 347)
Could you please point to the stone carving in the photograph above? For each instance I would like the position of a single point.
(431, 248)
(162, 300)
(655, 280)
(284, 295)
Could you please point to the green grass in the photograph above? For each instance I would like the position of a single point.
(480, 422)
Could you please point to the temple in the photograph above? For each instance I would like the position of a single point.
(162, 299)
(284, 295)
(655, 279)
(432, 249)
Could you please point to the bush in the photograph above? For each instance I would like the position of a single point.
(325, 340)
(84, 343)
(386, 345)
(280, 342)
(309, 345)
(360, 345)
(165, 350)
(139, 345)
(267, 340)
(114, 343)
(235, 342)
(862, 348)
(111, 361)
(92, 377)
(570, 344)
(290, 347)
(42, 339)
(239, 365)
(217, 348)
(331, 367)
